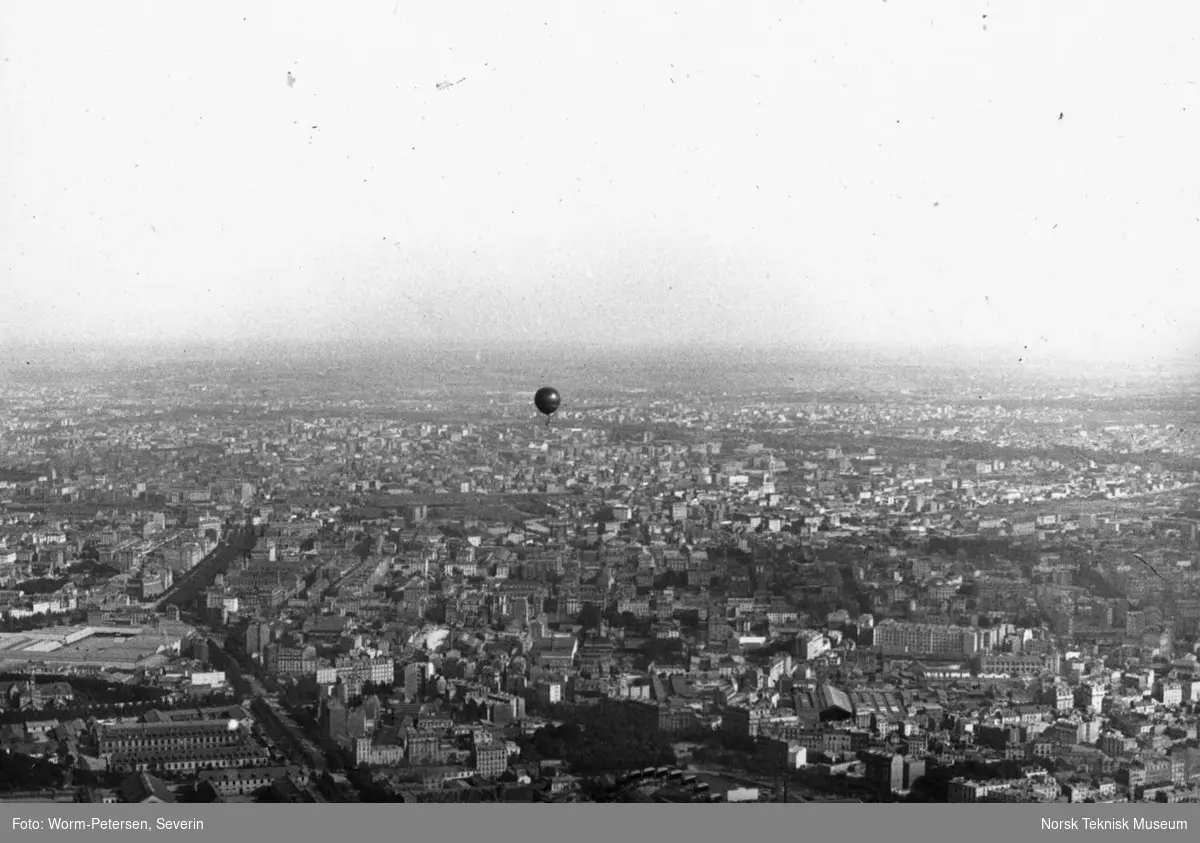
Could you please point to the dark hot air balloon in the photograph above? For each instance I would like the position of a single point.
(546, 400)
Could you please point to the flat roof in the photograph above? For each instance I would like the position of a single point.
(84, 645)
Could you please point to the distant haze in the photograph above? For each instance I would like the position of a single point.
(814, 174)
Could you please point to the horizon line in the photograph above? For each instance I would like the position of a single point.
(95, 353)
(497, 344)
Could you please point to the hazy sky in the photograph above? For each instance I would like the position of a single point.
(810, 172)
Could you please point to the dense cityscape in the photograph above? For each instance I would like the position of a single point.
(384, 577)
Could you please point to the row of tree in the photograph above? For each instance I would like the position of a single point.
(42, 585)
(96, 690)
(604, 738)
